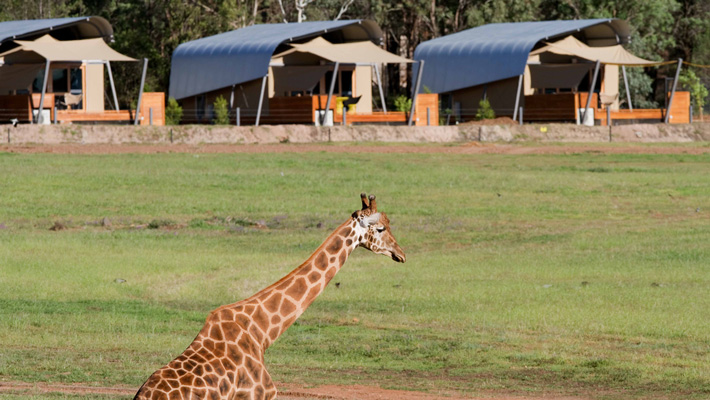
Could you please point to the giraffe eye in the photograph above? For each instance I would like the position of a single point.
(380, 229)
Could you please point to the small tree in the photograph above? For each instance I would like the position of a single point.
(173, 112)
(485, 111)
(698, 92)
(221, 112)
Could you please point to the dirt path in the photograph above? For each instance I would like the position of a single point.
(463, 148)
(286, 392)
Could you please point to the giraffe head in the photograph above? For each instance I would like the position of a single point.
(377, 236)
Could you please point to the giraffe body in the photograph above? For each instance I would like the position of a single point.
(226, 359)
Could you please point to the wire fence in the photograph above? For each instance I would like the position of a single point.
(426, 116)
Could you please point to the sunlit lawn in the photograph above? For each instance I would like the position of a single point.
(582, 273)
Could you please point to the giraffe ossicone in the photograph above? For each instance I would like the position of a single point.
(226, 359)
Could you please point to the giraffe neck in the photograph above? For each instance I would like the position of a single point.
(280, 304)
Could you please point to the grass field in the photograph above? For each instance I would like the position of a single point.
(578, 274)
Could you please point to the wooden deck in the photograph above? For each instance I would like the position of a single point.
(680, 112)
(20, 107)
(562, 107)
(71, 116)
(375, 117)
(303, 110)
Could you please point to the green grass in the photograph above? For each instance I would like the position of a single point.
(576, 274)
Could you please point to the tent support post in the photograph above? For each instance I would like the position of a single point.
(113, 87)
(44, 90)
(379, 86)
(330, 93)
(517, 97)
(414, 93)
(626, 85)
(140, 92)
(591, 91)
(261, 99)
(675, 83)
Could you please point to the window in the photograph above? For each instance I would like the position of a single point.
(200, 107)
(60, 80)
(346, 82)
(39, 80)
(75, 78)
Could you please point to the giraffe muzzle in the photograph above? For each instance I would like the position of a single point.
(398, 255)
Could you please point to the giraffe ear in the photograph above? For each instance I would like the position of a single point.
(369, 220)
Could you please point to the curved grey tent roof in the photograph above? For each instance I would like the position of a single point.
(493, 52)
(243, 55)
(75, 28)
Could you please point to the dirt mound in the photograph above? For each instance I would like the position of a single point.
(494, 121)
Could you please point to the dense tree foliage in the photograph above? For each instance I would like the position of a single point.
(662, 29)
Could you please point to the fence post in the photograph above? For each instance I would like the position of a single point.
(608, 116)
(345, 118)
(171, 135)
(8, 136)
(428, 117)
(521, 115)
(691, 113)
(54, 113)
(150, 113)
(238, 117)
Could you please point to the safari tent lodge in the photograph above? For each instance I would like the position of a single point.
(547, 71)
(55, 70)
(320, 72)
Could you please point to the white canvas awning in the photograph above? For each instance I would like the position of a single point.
(54, 50)
(558, 75)
(364, 52)
(299, 78)
(14, 77)
(610, 55)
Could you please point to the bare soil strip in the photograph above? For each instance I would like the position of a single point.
(463, 148)
(286, 392)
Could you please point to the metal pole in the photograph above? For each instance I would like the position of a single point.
(691, 114)
(54, 112)
(428, 117)
(379, 86)
(44, 90)
(261, 99)
(113, 87)
(591, 91)
(239, 117)
(150, 114)
(608, 116)
(140, 92)
(345, 118)
(517, 97)
(675, 83)
(416, 90)
(231, 98)
(626, 85)
(330, 93)
(521, 115)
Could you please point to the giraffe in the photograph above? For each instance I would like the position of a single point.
(226, 359)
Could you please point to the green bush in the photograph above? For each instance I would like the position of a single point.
(698, 92)
(221, 112)
(173, 112)
(402, 103)
(484, 110)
